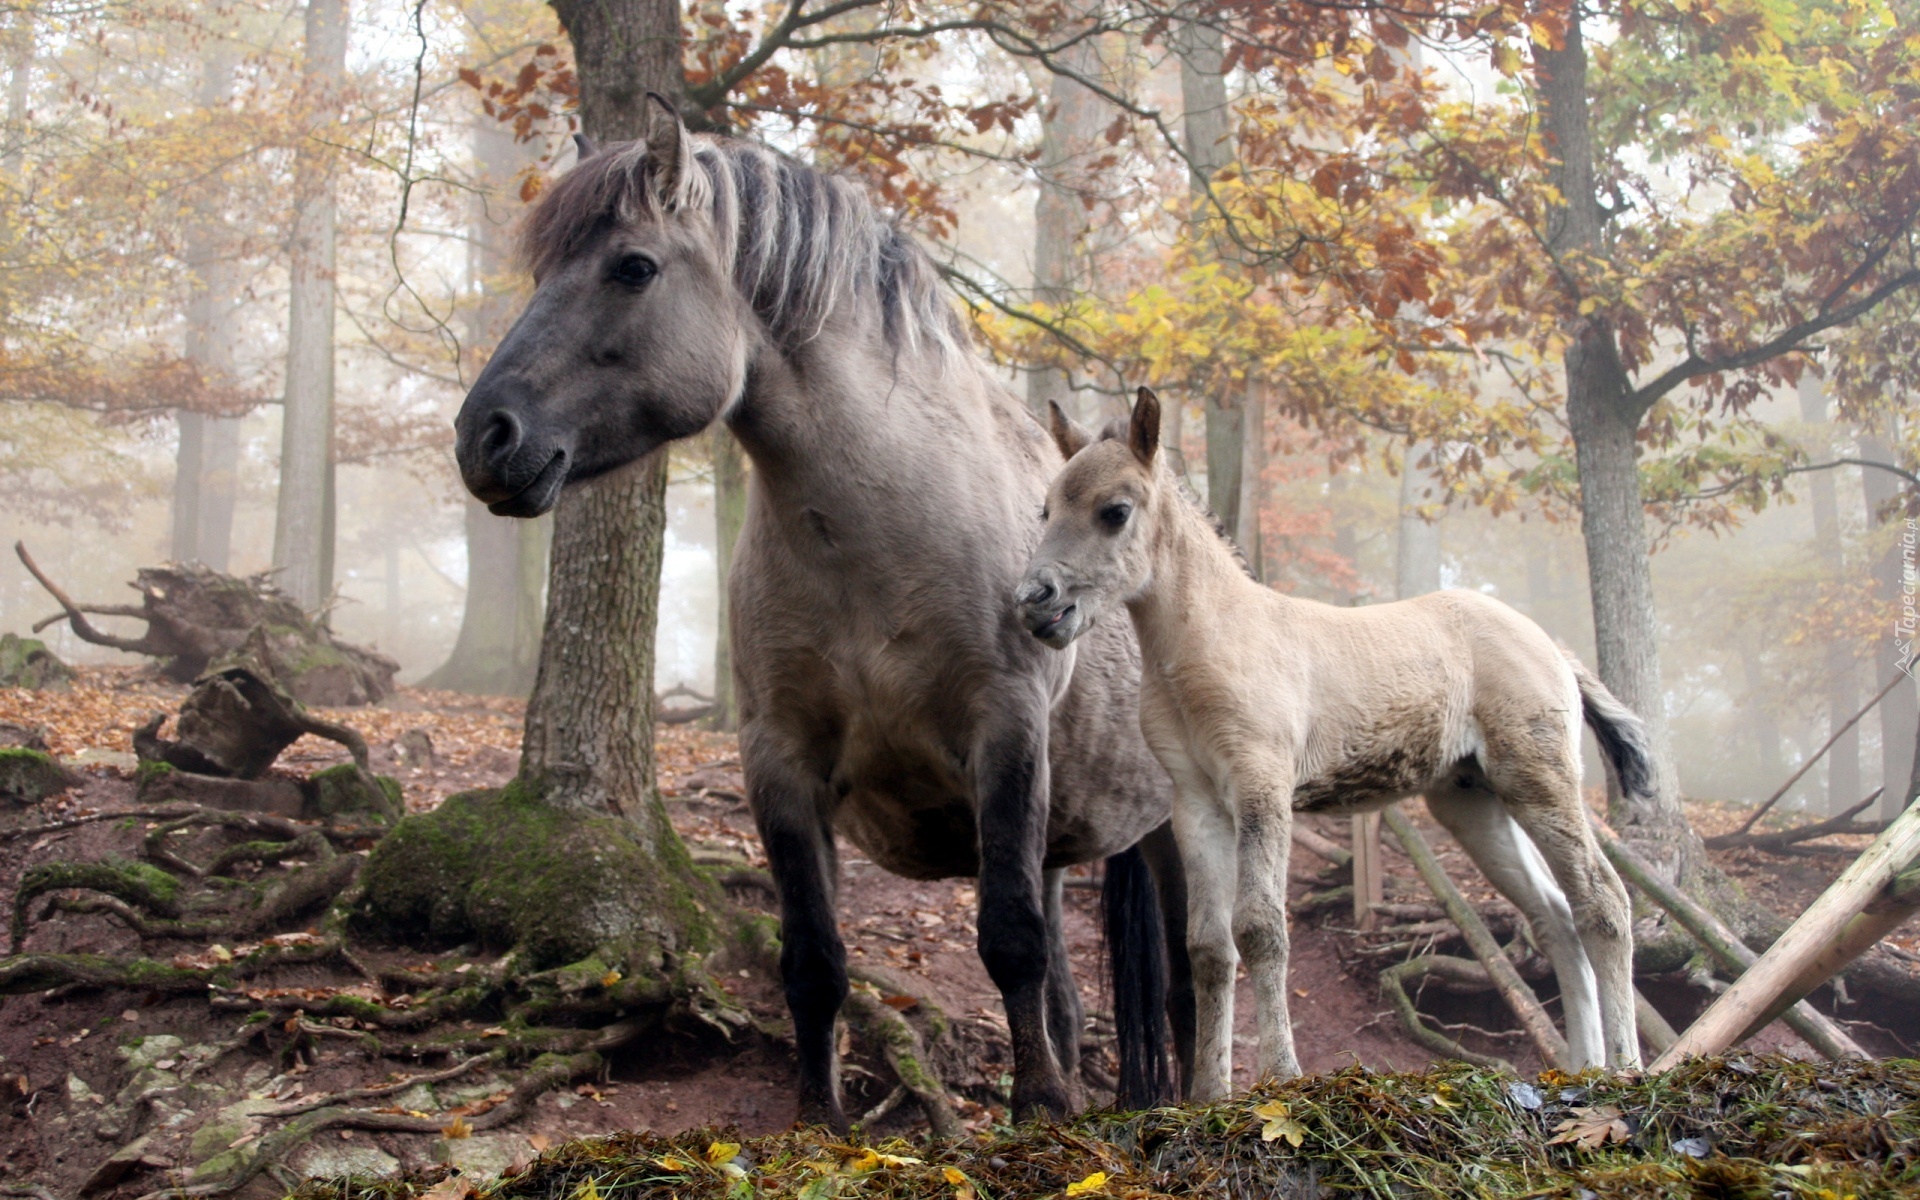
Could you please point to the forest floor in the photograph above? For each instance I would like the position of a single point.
(82, 1071)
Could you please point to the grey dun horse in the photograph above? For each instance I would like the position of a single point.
(887, 690)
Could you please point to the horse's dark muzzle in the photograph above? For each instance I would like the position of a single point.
(503, 462)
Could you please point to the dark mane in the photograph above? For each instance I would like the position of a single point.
(798, 242)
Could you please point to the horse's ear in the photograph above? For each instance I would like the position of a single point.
(1068, 434)
(1143, 430)
(669, 149)
(583, 147)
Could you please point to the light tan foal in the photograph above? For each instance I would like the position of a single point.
(1262, 705)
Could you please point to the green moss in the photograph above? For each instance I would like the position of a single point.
(30, 776)
(343, 791)
(149, 770)
(508, 870)
(27, 663)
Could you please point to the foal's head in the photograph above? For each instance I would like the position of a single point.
(635, 335)
(1100, 517)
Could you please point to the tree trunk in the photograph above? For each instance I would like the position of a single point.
(1253, 485)
(1417, 553)
(1843, 682)
(303, 524)
(1206, 123)
(1900, 711)
(209, 453)
(729, 514)
(1070, 125)
(1604, 419)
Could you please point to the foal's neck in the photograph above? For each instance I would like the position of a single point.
(1197, 580)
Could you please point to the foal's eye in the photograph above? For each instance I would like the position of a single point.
(1115, 515)
(633, 270)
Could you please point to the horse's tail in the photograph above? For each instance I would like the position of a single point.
(1622, 737)
(1136, 953)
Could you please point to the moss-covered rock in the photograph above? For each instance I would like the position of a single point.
(347, 795)
(559, 886)
(27, 663)
(30, 776)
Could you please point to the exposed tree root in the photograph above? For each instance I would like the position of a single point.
(22, 974)
(547, 1072)
(61, 826)
(1457, 971)
(906, 1054)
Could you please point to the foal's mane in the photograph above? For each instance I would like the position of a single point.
(799, 243)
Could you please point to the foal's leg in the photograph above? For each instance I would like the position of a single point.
(790, 810)
(1479, 821)
(1263, 797)
(1010, 780)
(1065, 1017)
(1543, 793)
(1207, 835)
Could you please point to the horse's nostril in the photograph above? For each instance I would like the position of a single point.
(502, 436)
(1040, 593)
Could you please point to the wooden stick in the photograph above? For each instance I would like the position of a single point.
(1720, 942)
(1820, 753)
(1513, 989)
(1654, 1029)
(1785, 962)
(1369, 873)
(82, 628)
(1324, 847)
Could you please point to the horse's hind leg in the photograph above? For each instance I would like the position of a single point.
(1542, 792)
(1483, 827)
(789, 810)
(1065, 1016)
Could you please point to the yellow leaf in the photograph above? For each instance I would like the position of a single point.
(610, 978)
(1091, 1183)
(457, 1130)
(721, 1152)
(954, 1175)
(587, 1191)
(896, 1160)
(672, 1164)
(866, 1160)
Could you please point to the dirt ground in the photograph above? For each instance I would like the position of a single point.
(84, 1073)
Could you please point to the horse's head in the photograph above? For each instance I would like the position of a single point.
(635, 335)
(1099, 517)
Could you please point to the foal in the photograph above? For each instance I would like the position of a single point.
(1262, 705)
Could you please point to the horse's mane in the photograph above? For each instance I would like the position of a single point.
(798, 242)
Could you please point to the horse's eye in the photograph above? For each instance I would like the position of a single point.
(1115, 515)
(633, 270)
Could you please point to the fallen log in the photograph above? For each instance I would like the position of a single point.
(1800, 951)
(1780, 840)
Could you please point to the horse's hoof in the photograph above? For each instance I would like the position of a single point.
(1042, 1104)
(823, 1113)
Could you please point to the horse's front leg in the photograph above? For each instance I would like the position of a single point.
(1205, 829)
(790, 809)
(1010, 777)
(1262, 794)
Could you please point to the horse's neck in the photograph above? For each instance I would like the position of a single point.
(1197, 586)
(850, 419)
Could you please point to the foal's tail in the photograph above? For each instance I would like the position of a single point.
(1136, 952)
(1622, 738)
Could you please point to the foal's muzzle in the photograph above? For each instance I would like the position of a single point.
(1046, 611)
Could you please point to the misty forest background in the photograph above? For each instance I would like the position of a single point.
(252, 253)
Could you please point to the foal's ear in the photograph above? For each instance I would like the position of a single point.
(1143, 430)
(670, 150)
(1068, 434)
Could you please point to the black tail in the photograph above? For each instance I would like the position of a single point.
(1137, 954)
(1622, 738)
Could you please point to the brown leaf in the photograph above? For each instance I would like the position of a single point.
(456, 1130)
(1591, 1128)
(903, 1003)
(453, 1187)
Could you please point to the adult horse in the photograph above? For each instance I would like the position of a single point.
(886, 689)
